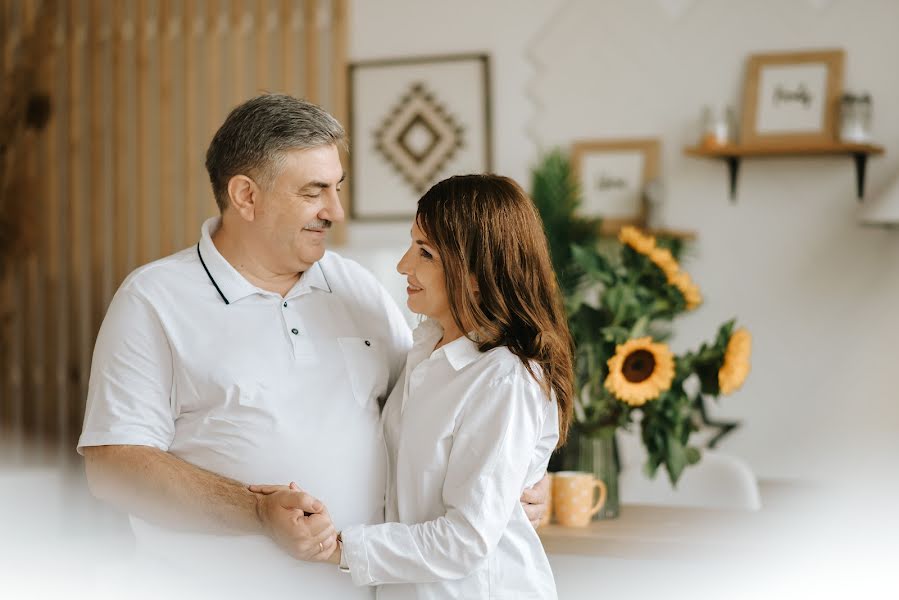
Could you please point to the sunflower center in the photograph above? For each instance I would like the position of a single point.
(638, 366)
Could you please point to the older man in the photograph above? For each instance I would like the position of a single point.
(254, 356)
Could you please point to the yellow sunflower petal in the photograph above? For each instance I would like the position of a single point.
(636, 239)
(640, 371)
(735, 367)
(689, 290)
(664, 260)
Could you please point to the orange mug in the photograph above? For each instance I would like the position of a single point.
(573, 497)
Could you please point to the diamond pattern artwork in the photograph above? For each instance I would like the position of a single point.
(413, 122)
(418, 137)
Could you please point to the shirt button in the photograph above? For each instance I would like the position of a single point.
(367, 343)
(295, 331)
(285, 305)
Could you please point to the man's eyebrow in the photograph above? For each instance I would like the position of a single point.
(323, 185)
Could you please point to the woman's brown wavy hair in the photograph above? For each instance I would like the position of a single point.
(487, 226)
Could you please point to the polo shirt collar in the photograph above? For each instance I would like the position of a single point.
(314, 277)
(233, 286)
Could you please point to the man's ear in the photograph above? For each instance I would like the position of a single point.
(243, 194)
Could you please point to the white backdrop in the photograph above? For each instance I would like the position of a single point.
(819, 293)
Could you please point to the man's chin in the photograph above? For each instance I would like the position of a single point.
(310, 256)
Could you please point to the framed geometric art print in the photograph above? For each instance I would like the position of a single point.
(414, 122)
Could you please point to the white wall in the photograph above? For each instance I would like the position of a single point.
(819, 293)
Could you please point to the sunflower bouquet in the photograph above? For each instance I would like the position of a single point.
(622, 296)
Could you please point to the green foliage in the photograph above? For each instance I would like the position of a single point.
(614, 294)
(556, 195)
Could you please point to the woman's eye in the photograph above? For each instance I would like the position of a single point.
(425, 254)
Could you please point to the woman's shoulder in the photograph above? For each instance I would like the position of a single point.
(505, 368)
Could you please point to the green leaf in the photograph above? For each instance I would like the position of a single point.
(640, 327)
(676, 461)
(693, 455)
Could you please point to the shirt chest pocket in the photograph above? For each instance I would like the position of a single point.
(367, 369)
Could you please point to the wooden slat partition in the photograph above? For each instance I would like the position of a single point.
(116, 178)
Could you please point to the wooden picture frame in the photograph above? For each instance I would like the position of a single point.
(413, 122)
(791, 98)
(612, 176)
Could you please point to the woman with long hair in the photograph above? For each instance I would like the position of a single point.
(485, 398)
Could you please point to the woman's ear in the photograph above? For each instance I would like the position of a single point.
(474, 283)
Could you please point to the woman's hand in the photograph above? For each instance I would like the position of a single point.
(296, 521)
(535, 499)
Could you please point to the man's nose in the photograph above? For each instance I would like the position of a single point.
(333, 211)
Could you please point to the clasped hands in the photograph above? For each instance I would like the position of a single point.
(299, 523)
(302, 526)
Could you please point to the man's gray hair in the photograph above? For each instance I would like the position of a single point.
(254, 138)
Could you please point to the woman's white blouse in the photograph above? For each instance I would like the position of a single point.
(465, 433)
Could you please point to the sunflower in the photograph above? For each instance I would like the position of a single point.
(688, 289)
(735, 367)
(640, 370)
(665, 261)
(636, 239)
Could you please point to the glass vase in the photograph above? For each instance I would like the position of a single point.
(598, 455)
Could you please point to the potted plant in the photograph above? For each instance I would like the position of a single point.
(622, 296)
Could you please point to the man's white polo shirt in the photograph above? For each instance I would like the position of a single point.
(193, 359)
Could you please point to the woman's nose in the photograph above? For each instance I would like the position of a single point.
(402, 266)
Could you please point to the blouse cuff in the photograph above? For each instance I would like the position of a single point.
(355, 554)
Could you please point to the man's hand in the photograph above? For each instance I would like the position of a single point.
(535, 499)
(296, 521)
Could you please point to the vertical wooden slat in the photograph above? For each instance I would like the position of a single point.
(189, 31)
(214, 21)
(51, 243)
(97, 196)
(310, 29)
(237, 39)
(82, 280)
(120, 185)
(11, 301)
(33, 364)
(287, 57)
(262, 52)
(166, 191)
(140, 186)
(5, 281)
(75, 34)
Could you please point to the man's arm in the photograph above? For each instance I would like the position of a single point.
(160, 487)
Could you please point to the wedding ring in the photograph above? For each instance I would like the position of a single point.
(321, 547)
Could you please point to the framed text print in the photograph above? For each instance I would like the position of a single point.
(612, 175)
(792, 98)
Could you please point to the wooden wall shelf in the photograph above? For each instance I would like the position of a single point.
(733, 154)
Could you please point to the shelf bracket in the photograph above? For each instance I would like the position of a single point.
(861, 160)
(733, 169)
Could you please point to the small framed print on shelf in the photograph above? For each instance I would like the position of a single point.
(791, 98)
(413, 122)
(613, 175)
